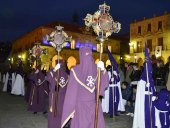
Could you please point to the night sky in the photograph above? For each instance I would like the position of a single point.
(20, 16)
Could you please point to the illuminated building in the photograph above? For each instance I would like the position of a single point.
(154, 32)
(80, 37)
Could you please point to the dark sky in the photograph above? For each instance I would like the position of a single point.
(20, 16)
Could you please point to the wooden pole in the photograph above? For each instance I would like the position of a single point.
(98, 89)
(150, 100)
(57, 85)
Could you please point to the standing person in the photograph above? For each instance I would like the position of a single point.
(19, 84)
(80, 98)
(105, 99)
(56, 99)
(135, 75)
(3, 78)
(128, 72)
(167, 69)
(161, 111)
(115, 94)
(159, 74)
(145, 93)
(37, 95)
(29, 85)
(9, 80)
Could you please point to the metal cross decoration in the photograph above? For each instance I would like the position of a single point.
(103, 25)
(102, 22)
(37, 51)
(58, 39)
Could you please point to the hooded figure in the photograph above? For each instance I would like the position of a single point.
(29, 85)
(146, 92)
(161, 110)
(37, 95)
(55, 77)
(80, 98)
(18, 87)
(9, 80)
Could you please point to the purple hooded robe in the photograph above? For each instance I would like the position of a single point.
(29, 85)
(161, 110)
(80, 98)
(37, 95)
(56, 106)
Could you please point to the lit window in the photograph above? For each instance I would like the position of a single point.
(98, 47)
(139, 29)
(149, 27)
(160, 25)
(73, 44)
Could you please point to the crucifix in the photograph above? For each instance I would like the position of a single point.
(58, 39)
(103, 25)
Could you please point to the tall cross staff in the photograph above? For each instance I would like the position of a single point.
(58, 39)
(36, 52)
(103, 25)
(149, 90)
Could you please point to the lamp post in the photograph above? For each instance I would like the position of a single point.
(103, 25)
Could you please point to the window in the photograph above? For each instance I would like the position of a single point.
(160, 25)
(160, 42)
(149, 27)
(73, 44)
(139, 46)
(149, 44)
(139, 29)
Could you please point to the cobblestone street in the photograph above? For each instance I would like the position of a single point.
(14, 114)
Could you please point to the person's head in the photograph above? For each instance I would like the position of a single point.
(124, 85)
(134, 88)
(160, 63)
(135, 66)
(153, 58)
(108, 67)
(126, 65)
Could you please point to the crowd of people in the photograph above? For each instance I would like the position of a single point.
(130, 74)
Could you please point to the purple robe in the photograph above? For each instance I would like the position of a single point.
(9, 84)
(37, 95)
(29, 87)
(56, 105)
(80, 98)
(161, 110)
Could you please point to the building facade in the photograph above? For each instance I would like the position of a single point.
(155, 32)
(80, 37)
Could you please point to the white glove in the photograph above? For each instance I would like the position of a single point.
(148, 85)
(115, 73)
(153, 98)
(100, 65)
(37, 71)
(39, 81)
(57, 67)
(112, 79)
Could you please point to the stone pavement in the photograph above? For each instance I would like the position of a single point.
(14, 114)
